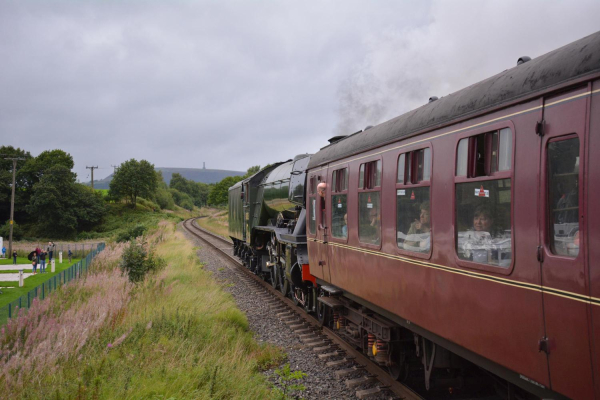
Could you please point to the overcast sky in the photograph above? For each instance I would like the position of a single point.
(241, 83)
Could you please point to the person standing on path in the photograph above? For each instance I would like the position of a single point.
(34, 266)
(43, 262)
(14, 257)
(50, 251)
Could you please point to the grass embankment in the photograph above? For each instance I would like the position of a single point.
(122, 217)
(215, 221)
(13, 290)
(176, 335)
(9, 261)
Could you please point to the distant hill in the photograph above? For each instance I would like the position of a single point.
(194, 174)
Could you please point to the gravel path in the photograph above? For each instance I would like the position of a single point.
(320, 382)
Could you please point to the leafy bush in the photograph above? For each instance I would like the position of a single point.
(182, 199)
(163, 198)
(148, 204)
(131, 233)
(5, 231)
(138, 261)
(287, 378)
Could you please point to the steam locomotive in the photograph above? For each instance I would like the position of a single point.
(457, 243)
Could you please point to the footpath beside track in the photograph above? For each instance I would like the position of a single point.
(339, 356)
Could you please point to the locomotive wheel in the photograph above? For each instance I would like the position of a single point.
(322, 314)
(310, 298)
(295, 296)
(397, 366)
(274, 277)
(284, 285)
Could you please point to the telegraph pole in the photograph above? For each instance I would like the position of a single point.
(114, 168)
(12, 201)
(92, 168)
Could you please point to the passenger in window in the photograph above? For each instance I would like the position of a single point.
(485, 243)
(483, 219)
(321, 188)
(345, 226)
(375, 218)
(419, 233)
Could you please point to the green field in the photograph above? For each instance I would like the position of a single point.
(9, 261)
(12, 291)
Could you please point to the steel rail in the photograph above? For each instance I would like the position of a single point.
(358, 357)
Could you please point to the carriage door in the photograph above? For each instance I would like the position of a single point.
(318, 231)
(246, 208)
(323, 228)
(561, 251)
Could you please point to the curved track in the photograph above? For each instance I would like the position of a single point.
(321, 339)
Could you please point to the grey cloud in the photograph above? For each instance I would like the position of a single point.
(238, 83)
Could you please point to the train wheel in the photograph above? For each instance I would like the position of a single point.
(311, 296)
(283, 283)
(322, 313)
(274, 278)
(397, 365)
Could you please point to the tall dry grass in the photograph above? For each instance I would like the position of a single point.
(55, 330)
(176, 335)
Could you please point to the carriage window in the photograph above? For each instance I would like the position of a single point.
(504, 160)
(361, 176)
(340, 180)
(413, 232)
(312, 185)
(369, 175)
(484, 154)
(462, 157)
(412, 219)
(339, 216)
(563, 196)
(312, 215)
(369, 218)
(423, 168)
(483, 222)
(339, 209)
(401, 167)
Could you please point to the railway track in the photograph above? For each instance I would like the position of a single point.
(338, 355)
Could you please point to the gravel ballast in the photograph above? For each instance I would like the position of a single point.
(320, 382)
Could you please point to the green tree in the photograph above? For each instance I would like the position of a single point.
(182, 199)
(88, 205)
(219, 194)
(61, 206)
(6, 172)
(203, 191)
(134, 179)
(198, 191)
(36, 167)
(162, 196)
(251, 171)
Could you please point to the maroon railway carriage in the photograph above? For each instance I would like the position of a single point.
(471, 227)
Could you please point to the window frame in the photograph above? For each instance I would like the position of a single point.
(510, 174)
(407, 184)
(312, 196)
(360, 190)
(546, 202)
(342, 192)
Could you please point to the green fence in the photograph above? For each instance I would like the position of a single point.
(73, 272)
